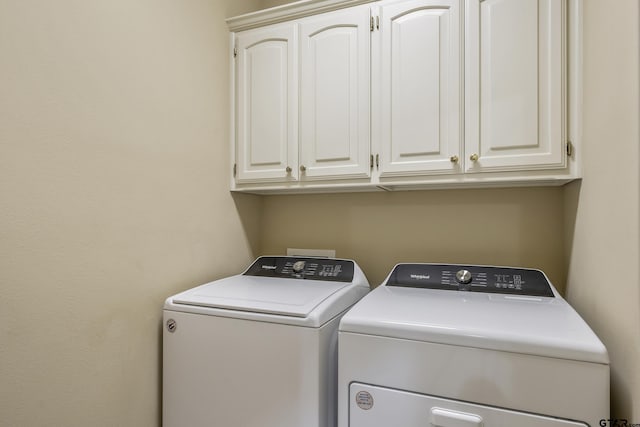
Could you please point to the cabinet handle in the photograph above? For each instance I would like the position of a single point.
(454, 159)
(288, 169)
(474, 157)
(303, 168)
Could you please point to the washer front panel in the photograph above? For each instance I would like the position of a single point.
(232, 372)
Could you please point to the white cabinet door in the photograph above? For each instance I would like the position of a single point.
(266, 103)
(334, 99)
(514, 86)
(418, 75)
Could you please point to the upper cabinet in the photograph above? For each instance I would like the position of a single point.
(334, 95)
(417, 87)
(356, 95)
(515, 89)
(266, 143)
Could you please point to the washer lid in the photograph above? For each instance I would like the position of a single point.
(286, 297)
(297, 291)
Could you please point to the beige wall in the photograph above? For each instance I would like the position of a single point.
(521, 226)
(602, 212)
(113, 195)
(272, 3)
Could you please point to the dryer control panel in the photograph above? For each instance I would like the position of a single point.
(471, 278)
(327, 269)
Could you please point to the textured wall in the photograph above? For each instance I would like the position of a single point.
(114, 195)
(521, 227)
(272, 3)
(603, 245)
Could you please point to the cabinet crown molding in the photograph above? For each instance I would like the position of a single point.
(288, 12)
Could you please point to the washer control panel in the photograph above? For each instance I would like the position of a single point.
(471, 278)
(327, 269)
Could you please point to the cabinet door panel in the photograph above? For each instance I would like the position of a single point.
(267, 107)
(420, 87)
(335, 95)
(515, 84)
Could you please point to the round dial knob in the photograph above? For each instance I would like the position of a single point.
(298, 266)
(463, 276)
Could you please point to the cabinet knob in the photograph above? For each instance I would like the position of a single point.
(288, 169)
(303, 168)
(474, 157)
(454, 159)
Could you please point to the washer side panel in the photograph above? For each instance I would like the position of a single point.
(234, 372)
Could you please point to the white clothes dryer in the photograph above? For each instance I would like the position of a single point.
(469, 346)
(258, 349)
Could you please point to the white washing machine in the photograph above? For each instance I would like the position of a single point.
(463, 346)
(258, 349)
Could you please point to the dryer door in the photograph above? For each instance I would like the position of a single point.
(371, 406)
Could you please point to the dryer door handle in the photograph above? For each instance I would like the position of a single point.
(445, 418)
